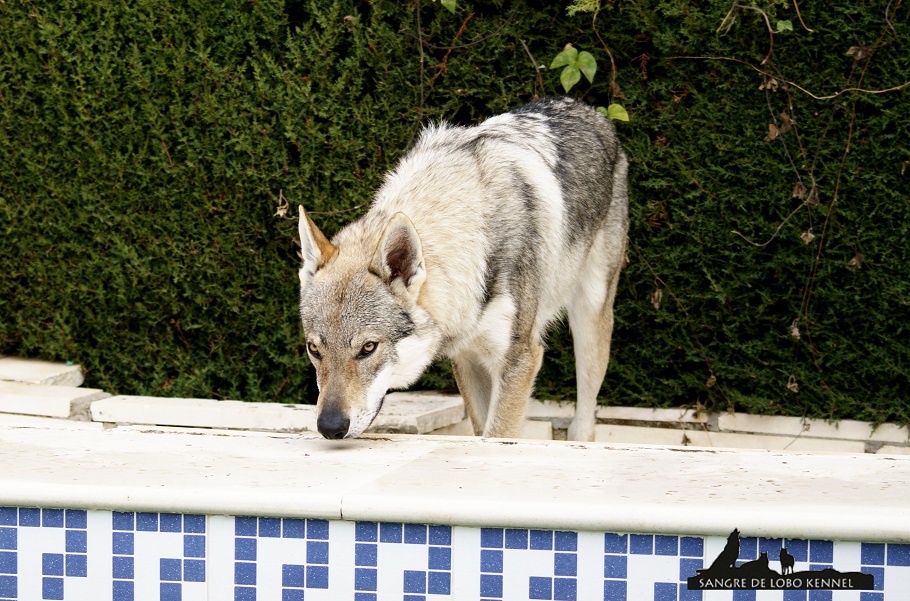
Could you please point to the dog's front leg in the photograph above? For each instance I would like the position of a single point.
(512, 389)
(475, 385)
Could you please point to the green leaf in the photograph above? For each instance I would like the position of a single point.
(569, 77)
(449, 4)
(587, 64)
(617, 113)
(566, 57)
(784, 26)
(603, 109)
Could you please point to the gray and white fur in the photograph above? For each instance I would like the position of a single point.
(478, 240)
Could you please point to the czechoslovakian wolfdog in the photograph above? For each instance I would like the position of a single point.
(476, 241)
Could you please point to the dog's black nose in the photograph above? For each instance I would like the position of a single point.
(333, 424)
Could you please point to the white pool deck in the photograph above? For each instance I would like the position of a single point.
(608, 486)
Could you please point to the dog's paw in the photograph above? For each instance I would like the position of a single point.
(581, 432)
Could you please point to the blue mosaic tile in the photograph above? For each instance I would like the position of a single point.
(76, 518)
(292, 595)
(244, 573)
(364, 596)
(565, 564)
(616, 543)
(665, 591)
(123, 590)
(796, 595)
(76, 541)
(124, 520)
(292, 576)
(146, 522)
(872, 554)
(690, 546)
(415, 581)
(293, 528)
(366, 554)
(415, 534)
(52, 518)
(194, 524)
(270, 527)
(366, 532)
(52, 564)
(171, 522)
(440, 535)
(8, 563)
(565, 589)
(641, 544)
(516, 539)
(878, 576)
(9, 588)
(540, 588)
(317, 552)
(440, 558)
(123, 543)
(771, 546)
(821, 595)
(52, 588)
(615, 566)
(666, 545)
(748, 548)
(193, 545)
(245, 549)
(389, 533)
(688, 567)
(871, 597)
(439, 583)
(365, 579)
(9, 516)
(193, 570)
(317, 577)
(614, 590)
(744, 595)
(30, 517)
(170, 591)
(898, 554)
(821, 551)
(244, 593)
(491, 538)
(317, 529)
(77, 565)
(686, 595)
(171, 570)
(799, 549)
(490, 585)
(245, 526)
(565, 541)
(491, 561)
(123, 567)
(8, 539)
(541, 539)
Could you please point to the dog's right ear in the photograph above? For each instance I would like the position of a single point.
(314, 246)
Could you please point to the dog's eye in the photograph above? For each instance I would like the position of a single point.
(314, 350)
(366, 350)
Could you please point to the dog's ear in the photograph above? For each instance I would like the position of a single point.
(314, 246)
(398, 259)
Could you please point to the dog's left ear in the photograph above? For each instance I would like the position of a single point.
(314, 246)
(398, 260)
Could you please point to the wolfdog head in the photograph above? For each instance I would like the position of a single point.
(365, 331)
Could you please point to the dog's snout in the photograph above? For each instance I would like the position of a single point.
(333, 424)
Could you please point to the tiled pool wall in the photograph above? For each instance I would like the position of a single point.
(134, 556)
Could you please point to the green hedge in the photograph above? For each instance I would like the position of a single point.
(143, 145)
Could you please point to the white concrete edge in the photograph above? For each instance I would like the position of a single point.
(829, 519)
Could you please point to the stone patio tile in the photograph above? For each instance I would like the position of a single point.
(814, 428)
(35, 371)
(46, 400)
(772, 443)
(893, 450)
(637, 435)
(644, 416)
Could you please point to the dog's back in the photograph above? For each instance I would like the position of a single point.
(518, 219)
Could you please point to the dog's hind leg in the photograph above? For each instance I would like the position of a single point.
(591, 320)
(475, 386)
(512, 389)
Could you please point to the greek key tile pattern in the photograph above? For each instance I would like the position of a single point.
(80, 555)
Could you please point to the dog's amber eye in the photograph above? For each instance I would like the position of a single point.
(366, 350)
(314, 350)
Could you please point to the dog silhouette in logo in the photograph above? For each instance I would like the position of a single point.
(786, 561)
(727, 557)
(760, 564)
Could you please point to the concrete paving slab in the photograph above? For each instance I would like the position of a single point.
(36, 371)
(47, 400)
(815, 428)
(638, 435)
(727, 440)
